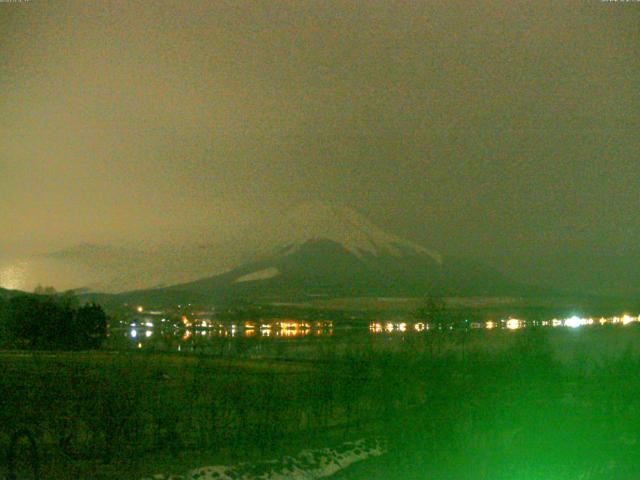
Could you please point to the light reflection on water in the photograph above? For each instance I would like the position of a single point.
(281, 328)
(143, 333)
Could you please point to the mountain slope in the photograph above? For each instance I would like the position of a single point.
(322, 267)
(316, 249)
(328, 250)
(337, 223)
(113, 269)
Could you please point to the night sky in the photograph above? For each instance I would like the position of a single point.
(504, 131)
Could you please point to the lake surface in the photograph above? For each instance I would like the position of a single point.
(610, 336)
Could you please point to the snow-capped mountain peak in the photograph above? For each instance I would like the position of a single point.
(117, 268)
(340, 224)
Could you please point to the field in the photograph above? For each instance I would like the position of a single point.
(532, 404)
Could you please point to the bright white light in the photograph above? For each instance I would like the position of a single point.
(574, 322)
(148, 333)
(14, 277)
(513, 324)
(402, 327)
(134, 333)
(148, 324)
(626, 319)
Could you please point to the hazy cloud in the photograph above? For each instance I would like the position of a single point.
(496, 129)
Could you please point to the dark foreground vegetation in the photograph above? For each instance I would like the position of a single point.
(516, 413)
(51, 321)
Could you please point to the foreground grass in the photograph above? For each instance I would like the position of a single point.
(522, 412)
(98, 415)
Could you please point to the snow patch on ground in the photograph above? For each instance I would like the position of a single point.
(259, 275)
(308, 464)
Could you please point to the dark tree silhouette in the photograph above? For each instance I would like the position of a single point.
(40, 290)
(91, 325)
(433, 311)
(51, 322)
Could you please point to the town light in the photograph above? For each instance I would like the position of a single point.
(514, 324)
(573, 322)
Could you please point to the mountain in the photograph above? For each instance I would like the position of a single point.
(336, 223)
(596, 272)
(120, 268)
(320, 250)
(314, 250)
